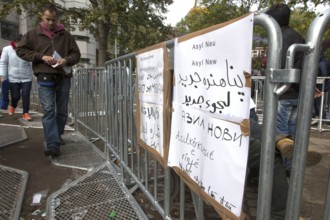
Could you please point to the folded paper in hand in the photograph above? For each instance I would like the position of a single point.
(57, 57)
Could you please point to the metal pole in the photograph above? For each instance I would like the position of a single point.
(305, 105)
(270, 112)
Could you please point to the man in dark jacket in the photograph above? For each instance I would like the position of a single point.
(52, 51)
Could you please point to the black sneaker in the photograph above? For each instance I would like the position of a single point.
(52, 152)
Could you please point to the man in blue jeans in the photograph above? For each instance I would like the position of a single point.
(52, 51)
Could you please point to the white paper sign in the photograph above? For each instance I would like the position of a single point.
(150, 89)
(210, 101)
(209, 71)
(152, 126)
(212, 152)
(150, 76)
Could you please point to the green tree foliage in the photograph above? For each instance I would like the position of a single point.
(140, 26)
(205, 15)
(134, 23)
(210, 12)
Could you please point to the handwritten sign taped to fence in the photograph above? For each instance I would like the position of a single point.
(150, 76)
(152, 125)
(153, 109)
(209, 133)
(211, 74)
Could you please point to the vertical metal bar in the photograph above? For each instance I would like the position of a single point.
(115, 107)
(85, 107)
(156, 180)
(199, 206)
(182, 199)
(111, 95)
(120, 115)
(105, 78)
(307, 88)
(131, 114)
(146, 173)
(321, 108)
(270, 112)
(167, 193)
(256, 86)
(75, 99)
(124, 111)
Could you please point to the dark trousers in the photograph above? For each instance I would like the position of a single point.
(317, 108)
(4, 102)
(16, 89)
(280, 182)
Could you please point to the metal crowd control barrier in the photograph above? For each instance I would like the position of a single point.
(258, 83)
(324, 105)
(104, 106)
(307, 88)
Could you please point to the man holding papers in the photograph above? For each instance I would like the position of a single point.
(51, 48)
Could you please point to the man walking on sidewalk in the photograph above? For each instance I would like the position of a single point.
(53, 51)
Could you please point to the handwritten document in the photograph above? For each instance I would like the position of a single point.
(150, 76)
(151, 131)
(150, 89)
(212, 152)
(211, 98)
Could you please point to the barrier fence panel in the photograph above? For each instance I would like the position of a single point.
(89, 101)
(307, 89)
(138, 168)
(105, 106)
(319, 122)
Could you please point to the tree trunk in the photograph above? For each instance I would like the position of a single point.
(103, 34)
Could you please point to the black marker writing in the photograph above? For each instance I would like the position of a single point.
(224, 134)
(202, 103)
(150, 112)
(209, 81)
(198, 145)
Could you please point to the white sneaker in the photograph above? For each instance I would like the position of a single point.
(314, 121)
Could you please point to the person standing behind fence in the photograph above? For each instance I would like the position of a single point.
(288, 102)
(19, 74)
(53, 51)
(324, 71)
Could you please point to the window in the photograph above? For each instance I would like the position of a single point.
(8, 31)
(85, 60)
(255, 53)
(81, 38)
